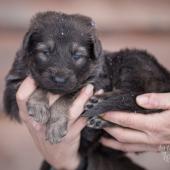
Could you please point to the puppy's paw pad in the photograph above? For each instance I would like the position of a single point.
(97, 123)
(39, 111)
(94, 122)
(93, 101)
(56, 131)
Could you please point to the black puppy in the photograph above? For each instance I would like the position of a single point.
(60, 52)
(63, 54)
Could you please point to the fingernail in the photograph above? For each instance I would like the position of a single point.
(88, 89)
(101, 91)
(142, 99)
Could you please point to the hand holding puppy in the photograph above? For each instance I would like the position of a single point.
(64, 154)
(141, 132)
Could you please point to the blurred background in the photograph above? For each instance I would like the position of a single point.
(143, 24)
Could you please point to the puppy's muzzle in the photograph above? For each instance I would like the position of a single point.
(59, 79)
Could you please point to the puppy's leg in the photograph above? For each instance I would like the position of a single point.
(111, 102)
(38, 106)
(9, 98)
(57, 124)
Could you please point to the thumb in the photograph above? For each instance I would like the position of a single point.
(25, 90)
(154, 100)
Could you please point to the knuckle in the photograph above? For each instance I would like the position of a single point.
(123, 148)
(153, 139)
(129, 120)
(119, 135)
(154, 128)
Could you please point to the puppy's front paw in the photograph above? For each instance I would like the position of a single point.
(39, 111)
(93, 101)
(56, 131)
(91, 108)
(98, 123)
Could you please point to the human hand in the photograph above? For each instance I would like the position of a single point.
(67, 149)
(141, 132)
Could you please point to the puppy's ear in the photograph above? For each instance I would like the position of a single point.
(26, 40)
(96, 46)
(91, 26)
(30, 38)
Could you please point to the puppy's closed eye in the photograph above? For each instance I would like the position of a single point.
(42, 57)
(79, 54)
(42, 53)
(46, 52)
(79, 58)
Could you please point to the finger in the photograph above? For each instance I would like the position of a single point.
(127, 135)
(154, 100)
(78, 105)
(126, 147)
(52, 98)
(25, 90)
(131, 120)
(76, 128)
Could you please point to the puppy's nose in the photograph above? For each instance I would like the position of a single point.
(59, 79)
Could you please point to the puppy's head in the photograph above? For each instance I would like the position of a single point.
(61, 51)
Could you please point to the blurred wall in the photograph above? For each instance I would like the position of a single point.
(121, 23)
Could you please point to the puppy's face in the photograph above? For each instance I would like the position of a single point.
(61, 51)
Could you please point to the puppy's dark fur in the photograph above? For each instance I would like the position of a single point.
(63, 54)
